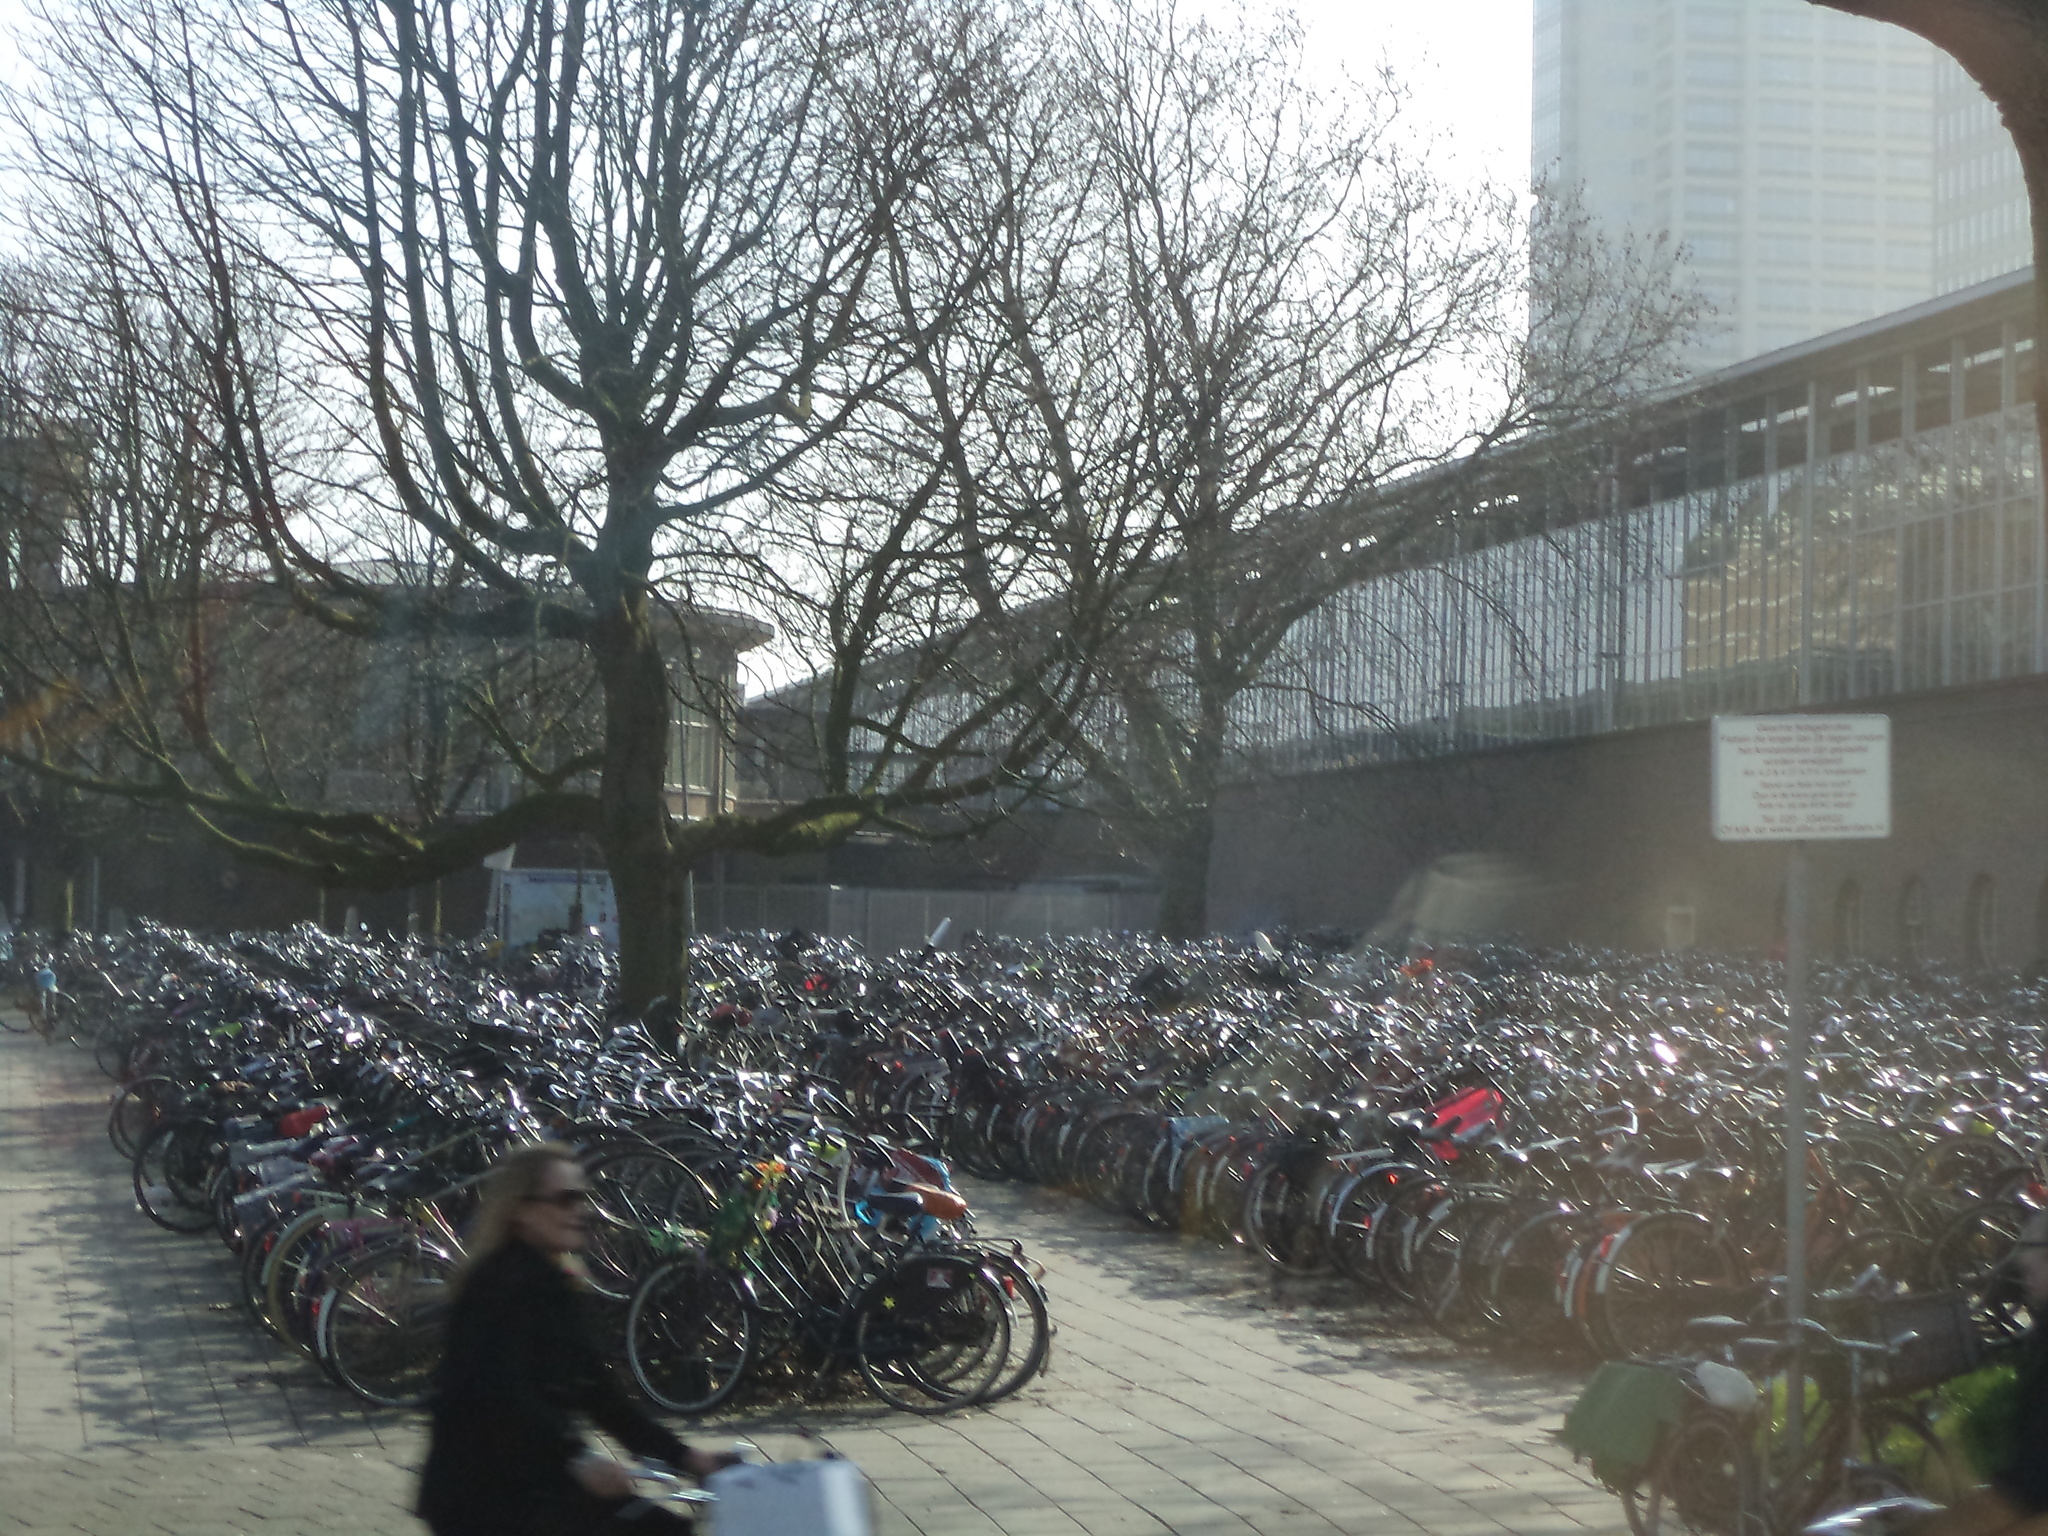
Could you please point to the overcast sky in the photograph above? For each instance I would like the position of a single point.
(1467, 62)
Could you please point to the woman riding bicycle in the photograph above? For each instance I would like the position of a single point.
(505, 1457)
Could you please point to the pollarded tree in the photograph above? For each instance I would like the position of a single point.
(560, 291)
(1237, 343)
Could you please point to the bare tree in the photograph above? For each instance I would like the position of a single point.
(2003, 46)
(1236, 345)
(559, 294)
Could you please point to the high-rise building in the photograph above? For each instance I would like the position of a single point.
(1980, 196)
(1787, 147)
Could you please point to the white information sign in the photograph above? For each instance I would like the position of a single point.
(1798, 777)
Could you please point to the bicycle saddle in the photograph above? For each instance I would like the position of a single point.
(1717, 1329)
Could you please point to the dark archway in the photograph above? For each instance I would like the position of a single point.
(1913, 928)
(1980, 922)
(1848, 920)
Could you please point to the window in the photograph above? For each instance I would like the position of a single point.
(1907, 255)
(1711, 251)
(1786, 23)
(1848, 920)
(1785, 159)
(1777, 69)
(1849, 208)
(1845, 117)
(1905, 123)
(1980, 923)
(1849, 164)
(1908, 212)
(1910, 78)
(1712, 25)
(1784, 250)
(1795, 115)
(1710, 204)
(1849, 74)
(1854, 254)
(1784, 293)
(1787, 207)
(1713, 69)
(1900, 167)
(1712, 114)
(1712, 160)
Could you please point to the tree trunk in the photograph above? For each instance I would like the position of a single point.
(1184, 874)
(647, 886)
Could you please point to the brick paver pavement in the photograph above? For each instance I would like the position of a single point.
(1185, 1394)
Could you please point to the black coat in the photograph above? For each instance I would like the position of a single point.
(2024, 1479)
(520, 1365)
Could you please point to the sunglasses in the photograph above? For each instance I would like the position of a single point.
(561, 1199)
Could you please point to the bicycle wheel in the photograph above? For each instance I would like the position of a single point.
(1354, 1207)
(1702, 1480)
(283, 1268)
(933, 1334)
(633, 1193)
(382, 1327)
(1030, 1325)
(110, 1048)
(1279, 1217)
(689, 1336)
(172, 1167)
(1970, 1254)
(138, 1109)
(1661, 1271)
(1526, 1273)
(1449, 1261)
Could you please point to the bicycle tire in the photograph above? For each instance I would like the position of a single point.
(176, 1155)
(932, 1334)
(1702, 1480)
(1660, 1271)
(137, 1109)
(1027, 1300)
(382, 1327)
(690, 1336)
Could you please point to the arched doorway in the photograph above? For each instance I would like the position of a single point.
(1913, 934)
(1980, 922)
(1848, 920)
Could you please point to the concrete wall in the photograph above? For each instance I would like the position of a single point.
(1613, 833)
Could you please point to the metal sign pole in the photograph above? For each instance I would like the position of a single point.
(1797, 1028)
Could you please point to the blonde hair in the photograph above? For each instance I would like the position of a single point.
(514, 1178)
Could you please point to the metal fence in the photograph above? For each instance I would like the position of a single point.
(888, 920)
(1904, 565)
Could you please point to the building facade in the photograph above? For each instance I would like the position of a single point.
(1788, 148)
(1981, 227)
(1854, 523)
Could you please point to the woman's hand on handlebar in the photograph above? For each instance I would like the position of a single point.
(704, 1463)
(601, 1477)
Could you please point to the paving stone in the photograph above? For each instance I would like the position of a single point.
(1187, 1394)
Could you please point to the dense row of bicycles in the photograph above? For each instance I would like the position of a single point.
(327, 1109)
(1569, 1151)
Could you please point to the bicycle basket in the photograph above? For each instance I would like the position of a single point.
(1942, 1345)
